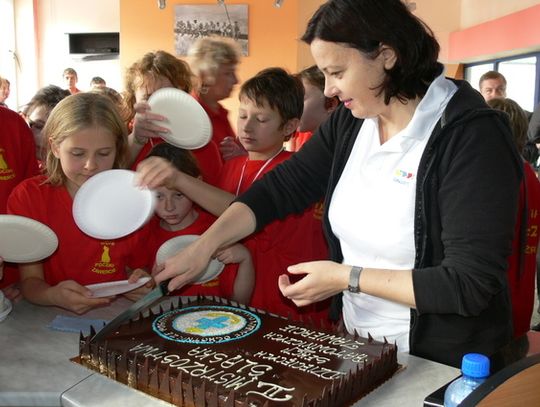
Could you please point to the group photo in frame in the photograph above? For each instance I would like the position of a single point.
(195, 21)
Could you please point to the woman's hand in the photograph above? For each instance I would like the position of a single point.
(185, 266)
(322, 279)
(156, 172)
(74, 297)
(230, 148)
(144, 123)
(140, 292)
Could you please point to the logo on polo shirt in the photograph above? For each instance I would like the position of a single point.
(6, 173)
(403, 177)
(105, 265)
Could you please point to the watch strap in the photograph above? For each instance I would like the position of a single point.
(354, 279)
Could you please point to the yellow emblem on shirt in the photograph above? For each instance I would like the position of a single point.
(6, 173)
(105, 266)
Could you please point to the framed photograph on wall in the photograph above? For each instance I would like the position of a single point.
(195, 21)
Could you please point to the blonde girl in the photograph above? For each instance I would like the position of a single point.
(86, 136)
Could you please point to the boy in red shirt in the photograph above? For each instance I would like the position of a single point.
(271, 105)
(177, 216)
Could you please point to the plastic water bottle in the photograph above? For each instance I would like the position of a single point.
(475, 370)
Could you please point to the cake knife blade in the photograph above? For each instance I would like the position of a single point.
(159, 292)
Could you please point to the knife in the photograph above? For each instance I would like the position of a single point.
(160, 291)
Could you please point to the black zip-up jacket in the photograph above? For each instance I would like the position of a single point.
(466, 203)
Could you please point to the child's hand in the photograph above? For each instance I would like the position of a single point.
(156, 172)
(232, 254)
(229, 148)
(12, 293)
(140, 292)
(144, 126)
(74, 297)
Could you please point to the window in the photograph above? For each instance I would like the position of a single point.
(522, 75)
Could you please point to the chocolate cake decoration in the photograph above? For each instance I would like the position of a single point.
(209, 351)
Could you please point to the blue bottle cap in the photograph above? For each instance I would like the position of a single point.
(475, 365)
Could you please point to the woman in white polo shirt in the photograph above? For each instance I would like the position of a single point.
(420, 181)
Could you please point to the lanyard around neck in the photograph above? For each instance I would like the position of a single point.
(268, 161)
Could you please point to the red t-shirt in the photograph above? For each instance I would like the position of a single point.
(208, 158)
(296, 239)
(222, 286)
(17, 162)
(299, 139)
(78, 257)
(522, 286)
(221, 127)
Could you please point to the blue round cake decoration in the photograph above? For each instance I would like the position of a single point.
(206, 325)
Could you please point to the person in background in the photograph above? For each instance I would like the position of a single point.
(97, 82)
(70, 80)
(317, 107)
(419, 214)
(4, 91)
(156, 70)
(522, 261)
(17, 163)
(37, 111)
(492, 84)
(117, 99)
(86, 136)
(533, 135)
(176, 215)
(271, 105)
(213, 61)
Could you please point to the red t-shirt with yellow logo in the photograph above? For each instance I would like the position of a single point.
(78, 257)
(17, 162)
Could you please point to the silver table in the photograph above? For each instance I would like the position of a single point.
(35, 369)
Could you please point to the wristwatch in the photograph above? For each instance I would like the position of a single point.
(354, 279)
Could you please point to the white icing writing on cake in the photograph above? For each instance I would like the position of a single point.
(325, 350)
(247, 371)
(272, 391)
(322, 337)
(315, 370)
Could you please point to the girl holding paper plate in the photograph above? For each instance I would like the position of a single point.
(154, 71)
(86, 136)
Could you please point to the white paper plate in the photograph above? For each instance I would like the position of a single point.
(5, 306)
(189, 125)
(24, 240)
(115, 287)
(110, 206)
(174, 245)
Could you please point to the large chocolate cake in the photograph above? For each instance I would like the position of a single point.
(209, 352)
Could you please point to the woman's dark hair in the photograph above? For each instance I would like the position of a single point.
(366, 25)
(182, 159)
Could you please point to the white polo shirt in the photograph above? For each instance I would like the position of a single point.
(372, 212)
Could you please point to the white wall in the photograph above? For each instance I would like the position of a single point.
(57, 18)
